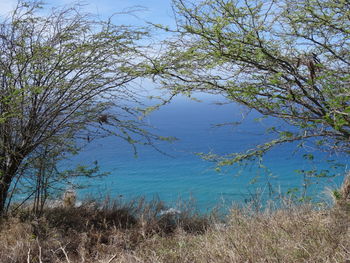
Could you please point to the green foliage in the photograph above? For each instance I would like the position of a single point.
(286, 59)
(337, 195)
(64, 79)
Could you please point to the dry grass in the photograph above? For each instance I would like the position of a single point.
(301, 235)
(138, 232)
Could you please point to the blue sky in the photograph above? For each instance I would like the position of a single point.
(156, 11)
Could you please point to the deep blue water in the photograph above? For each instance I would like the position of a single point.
(183, 174)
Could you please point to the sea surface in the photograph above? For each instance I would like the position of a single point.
(181, 174)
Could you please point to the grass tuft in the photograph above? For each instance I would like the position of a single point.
(141, 231)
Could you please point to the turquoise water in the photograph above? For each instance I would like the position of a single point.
(181, 174)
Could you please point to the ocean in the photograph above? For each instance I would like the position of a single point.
(180, 174)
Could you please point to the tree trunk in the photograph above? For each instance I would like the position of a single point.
(8, 171)
(5, 183)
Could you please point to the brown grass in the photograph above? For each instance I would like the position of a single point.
(138, 233)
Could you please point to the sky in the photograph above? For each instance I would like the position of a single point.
(156, 11)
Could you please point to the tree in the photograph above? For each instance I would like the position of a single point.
(41, 177)
(63, 78)
(287, 59)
